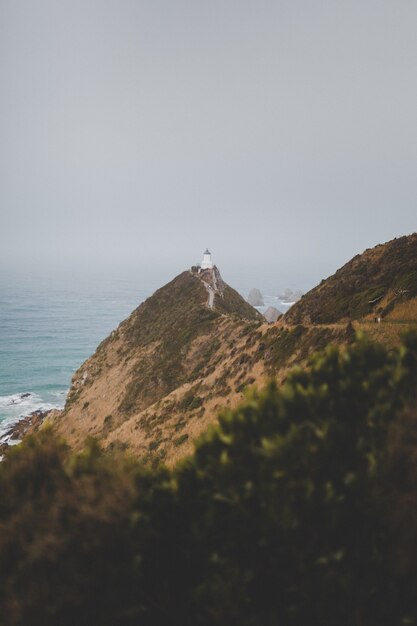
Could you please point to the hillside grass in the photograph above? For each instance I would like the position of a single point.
(373, 283)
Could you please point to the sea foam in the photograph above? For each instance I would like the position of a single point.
(17, 406)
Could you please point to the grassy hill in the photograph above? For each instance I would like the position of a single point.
(378, 282)
(158, 381)
(298, 507)
(155, 382)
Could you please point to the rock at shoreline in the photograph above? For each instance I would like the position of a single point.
(255, 297)
(272, 314)
(27, 425)
(289, 295)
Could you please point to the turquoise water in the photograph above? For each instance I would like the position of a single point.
(48, 327)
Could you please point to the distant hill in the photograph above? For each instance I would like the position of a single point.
(380, 282)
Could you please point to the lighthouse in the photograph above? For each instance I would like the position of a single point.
(207, 263)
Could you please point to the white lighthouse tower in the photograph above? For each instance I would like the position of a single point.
(207, 263)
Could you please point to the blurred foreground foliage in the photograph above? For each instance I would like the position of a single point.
(300, 508)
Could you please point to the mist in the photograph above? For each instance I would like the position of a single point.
(134, 134)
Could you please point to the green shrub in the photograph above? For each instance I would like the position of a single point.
(180, 440)
(190, 400)
(299, 509)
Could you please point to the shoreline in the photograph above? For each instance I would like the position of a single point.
(28, 424)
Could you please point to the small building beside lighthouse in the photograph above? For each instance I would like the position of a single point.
(207, 263)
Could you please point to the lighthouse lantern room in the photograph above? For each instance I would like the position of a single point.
(207, 263)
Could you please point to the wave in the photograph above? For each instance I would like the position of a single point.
(19, 405)
(17, 399)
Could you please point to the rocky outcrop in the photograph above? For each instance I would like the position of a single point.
(255, 297)
(26, 426)
(290, 295)
(272, 314)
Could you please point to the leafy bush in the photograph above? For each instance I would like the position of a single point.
(191, 400)
(300, 509)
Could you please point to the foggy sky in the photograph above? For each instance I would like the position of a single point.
(133, 134)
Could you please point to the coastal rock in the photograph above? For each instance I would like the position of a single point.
(25, 426)
(255, 297)
(272, 314)
(290, 295)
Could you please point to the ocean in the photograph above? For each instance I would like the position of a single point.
(50, 325)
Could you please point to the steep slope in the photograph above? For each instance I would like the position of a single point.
(160, 379)
(376, 283)
(154, 368)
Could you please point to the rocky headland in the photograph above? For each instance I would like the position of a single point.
(160, 379)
